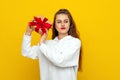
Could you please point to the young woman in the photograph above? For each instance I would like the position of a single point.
(59, 57)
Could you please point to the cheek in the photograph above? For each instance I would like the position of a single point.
(68, 26)
(57, 26)
(67, 29)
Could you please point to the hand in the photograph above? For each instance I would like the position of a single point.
(29, 30)
(43, 37)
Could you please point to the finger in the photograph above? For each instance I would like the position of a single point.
(46, 31)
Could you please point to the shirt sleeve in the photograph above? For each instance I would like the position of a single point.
(63, 55)
(27, 49)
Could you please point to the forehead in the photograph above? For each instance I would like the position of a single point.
(61, 17)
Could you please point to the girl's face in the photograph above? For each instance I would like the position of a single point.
(62, 24)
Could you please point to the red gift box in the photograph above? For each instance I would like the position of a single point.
(40, 25)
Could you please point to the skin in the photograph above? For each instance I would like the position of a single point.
(62, 25)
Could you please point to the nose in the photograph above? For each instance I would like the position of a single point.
(63, 24)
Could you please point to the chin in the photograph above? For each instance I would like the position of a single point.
(63, 33)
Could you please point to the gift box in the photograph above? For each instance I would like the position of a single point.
(40, 25)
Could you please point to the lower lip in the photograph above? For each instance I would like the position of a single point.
(62, 28)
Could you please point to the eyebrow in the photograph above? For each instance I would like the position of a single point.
(61, 20)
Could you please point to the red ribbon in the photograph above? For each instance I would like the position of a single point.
(40, 24)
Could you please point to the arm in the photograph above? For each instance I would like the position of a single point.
(66, 55)
(27, 50)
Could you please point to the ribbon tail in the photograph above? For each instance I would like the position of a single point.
(43, 31)
(37, 28)
(44, 20)
(47, 25)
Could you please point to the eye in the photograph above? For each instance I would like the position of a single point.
(66, 21)
(58, 21)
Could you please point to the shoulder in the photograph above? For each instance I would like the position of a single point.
(72, 42)
(75, 40)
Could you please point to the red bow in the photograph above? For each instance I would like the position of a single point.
(40, 24)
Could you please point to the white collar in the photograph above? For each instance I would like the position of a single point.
(64, 38)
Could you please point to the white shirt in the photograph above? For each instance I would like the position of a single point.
(58, 59)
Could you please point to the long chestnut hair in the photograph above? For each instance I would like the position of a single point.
(72, 31)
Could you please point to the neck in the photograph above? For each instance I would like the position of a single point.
(60, 36)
